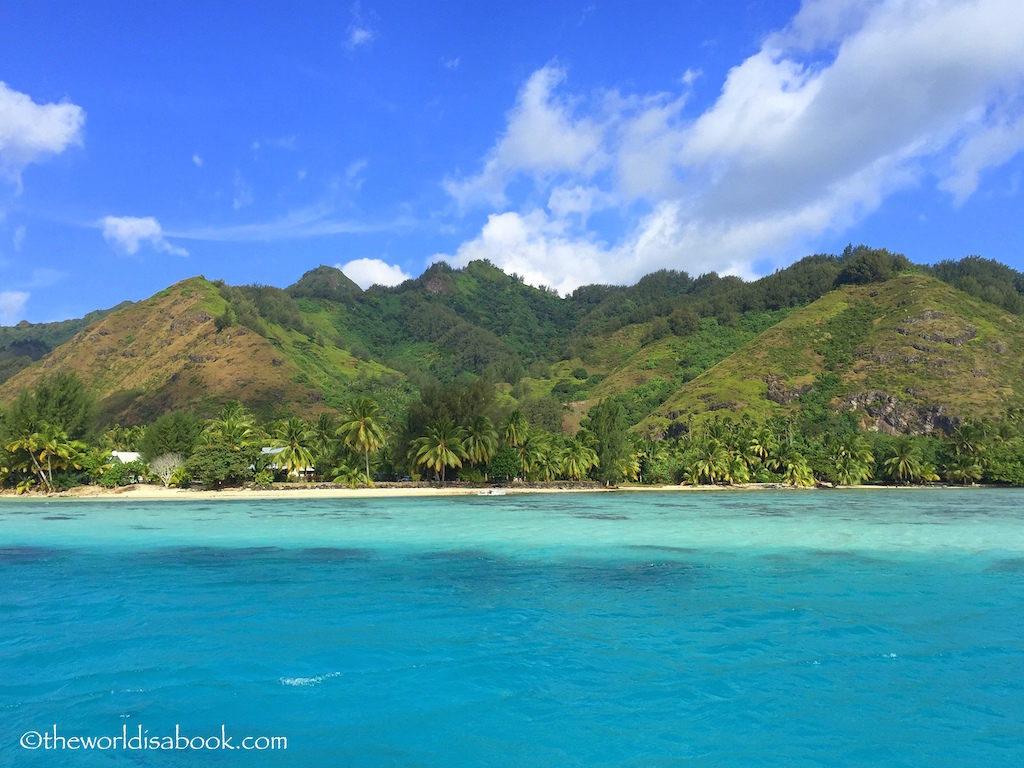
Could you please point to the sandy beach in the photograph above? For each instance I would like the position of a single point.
(393, 490)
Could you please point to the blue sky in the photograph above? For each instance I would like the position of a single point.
(572, 143)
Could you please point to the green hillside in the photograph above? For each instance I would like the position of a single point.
(908, 355)
(863, 330)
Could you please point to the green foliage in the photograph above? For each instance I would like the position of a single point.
(216, 465)
(255, 305)
(325, 283)
(985, 279)
(175, 432)
(842, 334)
(263, 478)
(638, 402)
(683, 321)
(61, 400)
(504, 465)
(866, 265)
(543, 412)
(120, 474)
(608, 426)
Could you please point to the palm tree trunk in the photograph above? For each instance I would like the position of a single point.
(366, 454)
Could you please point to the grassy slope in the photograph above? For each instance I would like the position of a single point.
(165, 353)
(913, 338)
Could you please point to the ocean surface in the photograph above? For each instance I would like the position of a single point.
(872, 627)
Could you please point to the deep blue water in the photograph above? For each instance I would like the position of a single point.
(879, 628)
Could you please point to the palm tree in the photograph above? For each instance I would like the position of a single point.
(904, 464)
(235, 428)
(850, 459)
(964, 468)
(579, 456)
(735, 470)
(294, 437)
(514, 428)
(548, 463)
(649, 453)
(347, 475)
(362, 432)
(31, 443)
(441, 447)
(968, 440)
(793, 467)
(481, 440)
(529, 450)
(711, 460)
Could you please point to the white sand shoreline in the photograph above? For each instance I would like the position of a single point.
(159, 493)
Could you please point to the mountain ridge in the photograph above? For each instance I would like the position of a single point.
(662, 346)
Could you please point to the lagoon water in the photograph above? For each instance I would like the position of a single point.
(720, 629)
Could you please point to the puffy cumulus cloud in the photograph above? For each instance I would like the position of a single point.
(30, 131)
(850, 102)
(127, 233)
(545, 250)
(543, 139)
(367, 272)
(12, 305)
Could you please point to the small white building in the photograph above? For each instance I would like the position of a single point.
(304, 472)
(126, 457)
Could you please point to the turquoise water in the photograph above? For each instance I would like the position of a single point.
(847, 628)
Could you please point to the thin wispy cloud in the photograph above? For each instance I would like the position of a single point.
(12, 306)
(317, 221)
(354, 174)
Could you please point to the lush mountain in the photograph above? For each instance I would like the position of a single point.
(167, 353)
(911, 354)
(912, 348)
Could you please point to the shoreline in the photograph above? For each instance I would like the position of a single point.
(297, 491)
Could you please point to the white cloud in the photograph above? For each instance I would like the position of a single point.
(990, 146)
(690, 76)
(354, 177)
(367, 272)
(314, 221)
(197, 160)
(450, 64)
(12, 304)
(579, 200)
(44, 277)
(358, 36)
(359, 33)
(19, 237)
(850, 102)
(30, 131)
(543, 138)
(243, 193)
(127, 233)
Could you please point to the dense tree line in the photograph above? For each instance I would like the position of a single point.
(460, 432)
